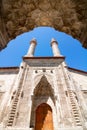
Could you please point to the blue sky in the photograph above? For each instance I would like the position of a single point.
(76, 55)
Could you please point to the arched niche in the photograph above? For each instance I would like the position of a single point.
(48, 76)
(43, 93)
(43, 88)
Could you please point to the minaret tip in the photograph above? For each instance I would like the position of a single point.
(33, 41)
(53, 40)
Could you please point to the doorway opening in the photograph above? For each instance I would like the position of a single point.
(44, 120)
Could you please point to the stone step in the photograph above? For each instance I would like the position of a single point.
(74, 108)
(10, 121)
(18, 93)
(78, 121)
(71, 98)
(14, 106)
(13, 109)
(71, 95)
(78, 124)
(76, 112)
(9, 124)
(77, 118)
(16, 97)
(16, 101)
(76, 115)
(11, 118)
(73, 103)
(70, 91)
(12, 112)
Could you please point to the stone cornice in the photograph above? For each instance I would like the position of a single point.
(9, 69)
(44, 61)
(56, 57)
(81, 71)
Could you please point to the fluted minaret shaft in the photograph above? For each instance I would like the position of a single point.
(32, 48)
(54, 45)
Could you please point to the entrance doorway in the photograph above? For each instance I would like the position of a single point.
(44, 119)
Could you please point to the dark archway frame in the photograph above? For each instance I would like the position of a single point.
(19, 16)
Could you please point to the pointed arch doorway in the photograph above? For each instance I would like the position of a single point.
(44, 120)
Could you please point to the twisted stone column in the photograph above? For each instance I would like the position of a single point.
(32, 48)
(54, 45)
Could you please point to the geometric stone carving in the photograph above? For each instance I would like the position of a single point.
(43, 88)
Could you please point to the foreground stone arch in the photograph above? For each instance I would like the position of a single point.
(19, 16)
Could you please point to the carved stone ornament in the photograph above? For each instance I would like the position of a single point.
(43, 88)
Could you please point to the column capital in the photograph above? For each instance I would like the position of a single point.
(53, 41)
(33, 41)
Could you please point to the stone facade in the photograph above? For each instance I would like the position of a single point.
(50, 84)
(7, 88)
(43, 80)
(19, 16)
